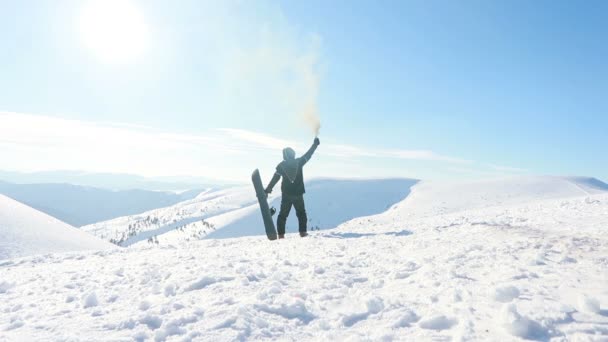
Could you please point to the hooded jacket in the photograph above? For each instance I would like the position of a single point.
(291, 170)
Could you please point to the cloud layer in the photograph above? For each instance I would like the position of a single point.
(36, 142)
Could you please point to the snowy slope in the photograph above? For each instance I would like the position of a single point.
(129, 230)
(235, 212)
(432, 198)
(533, 269)
(26, 231)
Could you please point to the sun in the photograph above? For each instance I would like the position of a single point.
(114, 30)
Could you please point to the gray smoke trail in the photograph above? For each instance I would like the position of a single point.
(310, 115)
(308, 108)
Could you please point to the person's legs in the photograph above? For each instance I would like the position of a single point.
(283, 213)
(298, 203)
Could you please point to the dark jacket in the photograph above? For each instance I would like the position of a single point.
(292, 173)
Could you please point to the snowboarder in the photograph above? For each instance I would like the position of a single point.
(292, 187)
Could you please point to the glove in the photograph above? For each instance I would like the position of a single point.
(317, 141)
(267, 191)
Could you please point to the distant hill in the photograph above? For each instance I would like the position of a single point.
(235, 212)
(431, 198)
(111, 181)
(81, 205)
(329, 202)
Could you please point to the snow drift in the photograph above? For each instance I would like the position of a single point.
(25, 231)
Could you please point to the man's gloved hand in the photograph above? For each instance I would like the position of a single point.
(317, 141)
(267, 191)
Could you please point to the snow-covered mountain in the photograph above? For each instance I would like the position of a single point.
(26, 231)
(432, 198)
(80, 205)
(235, 212)
(524, 259)
(129, 230)
(329, 202)
(112, 181)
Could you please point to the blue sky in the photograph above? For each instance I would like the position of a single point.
(424, 89)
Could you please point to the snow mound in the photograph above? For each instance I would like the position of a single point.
(521, 326)
(505, 294)
(438, 323)
(25, 231)
(589, 305)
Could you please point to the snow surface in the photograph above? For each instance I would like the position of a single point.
(26, 231)
(502, 269)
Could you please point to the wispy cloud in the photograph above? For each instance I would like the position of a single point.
(506, 168)
(255, 138)
(35, 142)
(340, 150)
(359, 152)
(44, 142)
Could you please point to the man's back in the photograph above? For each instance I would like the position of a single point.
(293, 178)
(291, 170)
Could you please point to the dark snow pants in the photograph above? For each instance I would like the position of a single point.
(286, 203)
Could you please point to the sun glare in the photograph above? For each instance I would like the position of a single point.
(114, 30)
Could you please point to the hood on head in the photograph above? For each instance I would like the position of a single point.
(289, 153)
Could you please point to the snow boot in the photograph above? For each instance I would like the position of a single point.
(281, 236)
(303, 234)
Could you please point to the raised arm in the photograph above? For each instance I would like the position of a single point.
(311, 150)
(273, 182)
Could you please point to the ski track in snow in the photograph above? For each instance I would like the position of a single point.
(529, 271)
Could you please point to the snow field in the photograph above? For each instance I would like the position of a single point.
(534, 271)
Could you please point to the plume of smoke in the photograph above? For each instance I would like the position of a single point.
(308, 107)
(310, 115)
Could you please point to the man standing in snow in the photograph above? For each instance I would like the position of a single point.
(292, 187)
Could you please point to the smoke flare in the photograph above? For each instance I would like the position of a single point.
(308, 108)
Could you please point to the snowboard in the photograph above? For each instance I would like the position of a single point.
(271, 232)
